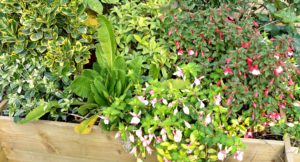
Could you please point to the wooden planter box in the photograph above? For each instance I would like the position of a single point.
(49, 141)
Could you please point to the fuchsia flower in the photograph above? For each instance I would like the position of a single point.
(249, 135)
(255, 24)
(143, 100)
(256, 94)
(246, 45)
(238, 156)
(222, 155)
(228, 71)
(179, 52)
(186, 110)
(105, 120)
(170, 32)
(277, 55)
(228, 60)
(187, 124)
(191, 52)
(163, 134)
(291, 82)
(266, 92)
(145, 140)
(254, 70)
(278, 71)
(208, 119)
(273, 116)
(197, 81)
(139, 133)
(136, 118)
(149, 150)
(179, 72)
(177, 135)
(164, 101)
(177, 44)
(131, 138)
(228, 102)
(151, 92)
(218, 99)
(153, 102)
(289, 52)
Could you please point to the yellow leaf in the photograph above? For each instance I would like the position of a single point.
(91, 20)
(86, 126)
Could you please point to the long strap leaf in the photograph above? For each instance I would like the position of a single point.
(107, 40)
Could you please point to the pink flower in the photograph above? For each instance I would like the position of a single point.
(180, 52)
(143, 100)
(177, 135)
(228, 101)
(246, 45)
(136, 118)
(255, 24)
(179, 72)
(153, 102)
(289, 52)
(133, 151)
(208, 119)
(256, 94)
(218, 99)
(277, 55)
(228, 71)
(239, 156)
(149, 150)
(222, 155)
(254, 70)
(249, 135)
(201, 115)
(151, 92)
(164, 101)
(266, 92)
(105, 120)
(170, 104)
(191, 52)
(291, 82)
(131, 138)
(186, 110)
(187, 124)
(170, 32)
(197, 81)
(228, 60)
(145, 141)
(278, 71)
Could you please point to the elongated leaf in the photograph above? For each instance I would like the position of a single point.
(86, 126)
(81, 85)
(35, 114)
(107, 42)
(84, 109)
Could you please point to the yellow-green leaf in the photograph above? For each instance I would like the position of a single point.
(86, 126)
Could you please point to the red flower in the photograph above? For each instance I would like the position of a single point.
(281, 96)
(228, 60)
(180, 52)
(219, 83)
(196, 54)
(254, 105)
(228, 101)
(291, 82)
(228, 71)
(272, 81)
(255, 94)
(246, 45)
(266, 92)
(292, 96)
(249, 61)
(255, 24)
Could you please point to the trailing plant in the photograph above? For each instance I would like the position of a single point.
(255, 73)
(138, 32)
(43, 45)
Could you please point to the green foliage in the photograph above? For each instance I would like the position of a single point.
(43, 45)
(138, 32)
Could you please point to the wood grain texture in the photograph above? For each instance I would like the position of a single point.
(48, 141)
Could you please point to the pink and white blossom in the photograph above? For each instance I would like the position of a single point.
(133, 151)
(202, 105)
(105, 120)
(187, 124)
(239, 155)
(186, 110)
(218, 99)
(131, 138)
(163, 133)
(149, 150)
(177, 135)
(139, 133)
(222, 155)
(118, 134)
(164, 101)
(197, 81)
(179, 72)
(143, 100)
(227, 71)
(249, 135)
(151, 92)
(191, 52)
(175, 111)
(208, 119)
(153, 102)
(136, 118)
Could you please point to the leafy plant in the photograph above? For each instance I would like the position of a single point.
(111, 77)
(97, 6)
(43, 45)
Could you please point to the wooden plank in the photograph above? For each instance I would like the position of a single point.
(49, 141)
(258, 150)
(3, 157)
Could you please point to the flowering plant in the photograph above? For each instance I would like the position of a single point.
(254, 73)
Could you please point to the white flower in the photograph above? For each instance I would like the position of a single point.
(290, 124)
(117, 135)
(139, 133)
(105, 120)
(271, 124)
(191, 52)
(186, 110)
(131, 138)
(149, 150)
(187, 124)
(153, 102)
(202, 105)
(145, 141)
(208, 119)
(164, 101)
(222, 155)
(239, 156)
(218, 99)
(279, 69)
(197, 81)
(255, 72)
(170, 104)
(136, 118)
(177, 136)
(290, 54)
(175, 111)
(297, 104)
(143, 100)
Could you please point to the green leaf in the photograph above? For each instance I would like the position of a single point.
(84, 109)
(81, 86)
(36, 113)
(36, 36)
(86, 126)
(95, 5)
(110, 1)
(107, 42)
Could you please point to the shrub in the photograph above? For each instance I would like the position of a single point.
(255, 74)
(43, 45)
(137, 29)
